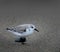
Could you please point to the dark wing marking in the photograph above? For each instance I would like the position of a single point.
(19, 29)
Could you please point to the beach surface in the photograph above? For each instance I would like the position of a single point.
(44, 14)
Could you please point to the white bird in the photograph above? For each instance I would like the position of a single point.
(22, 31)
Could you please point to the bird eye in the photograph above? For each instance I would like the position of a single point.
(31, 26)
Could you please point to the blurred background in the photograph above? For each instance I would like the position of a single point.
(45, 14)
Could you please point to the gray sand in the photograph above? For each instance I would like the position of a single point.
(44, 14)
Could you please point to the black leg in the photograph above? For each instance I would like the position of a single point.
(21, 39)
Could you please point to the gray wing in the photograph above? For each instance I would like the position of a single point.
(19, 29)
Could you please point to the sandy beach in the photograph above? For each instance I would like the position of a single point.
(44, 14)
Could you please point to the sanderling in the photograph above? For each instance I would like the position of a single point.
(22, 31)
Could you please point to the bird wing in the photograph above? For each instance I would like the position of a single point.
(19, 29)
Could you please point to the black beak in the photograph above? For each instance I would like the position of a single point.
(36, 30)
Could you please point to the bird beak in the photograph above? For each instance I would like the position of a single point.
(36, 30)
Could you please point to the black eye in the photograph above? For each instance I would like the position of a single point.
(31, 26)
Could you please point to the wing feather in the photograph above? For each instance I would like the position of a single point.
(19, 29)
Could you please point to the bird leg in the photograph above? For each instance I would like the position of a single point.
(21, 39)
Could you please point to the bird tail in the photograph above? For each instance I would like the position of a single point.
(8, 29)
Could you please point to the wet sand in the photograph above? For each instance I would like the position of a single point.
(44, 14)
